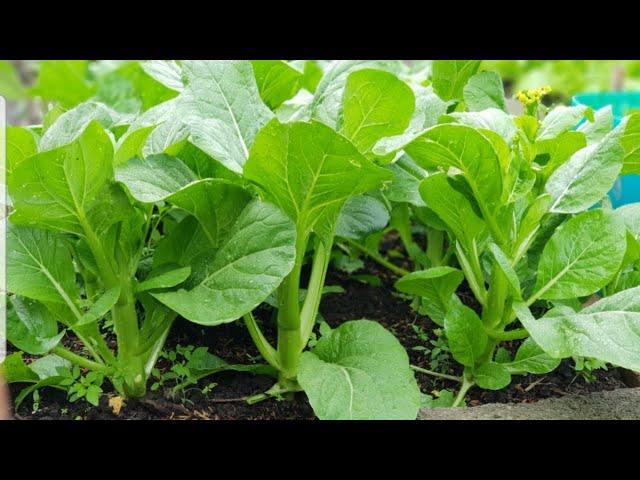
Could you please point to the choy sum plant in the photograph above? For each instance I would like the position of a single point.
(262, 194)
(517, 196)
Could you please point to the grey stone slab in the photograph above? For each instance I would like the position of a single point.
(621, 404)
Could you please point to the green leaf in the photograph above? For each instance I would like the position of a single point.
(308, 169)
(253, 260)
(64, 81)
(202, 363)
(631, 143)
(587, 176)
(465, 333)
(296, 109)
(154, 178)
(130, 146)
(376, 104)
(21, 144)
(449, 77)
(167, 72)
(436, 285)
(100, 307)
(490, 119)
(39, 265)
(359, 371)
(466, 149)
(484, 90)
(560, 120)
(630, 216)
(58, 188)
(556, 151)
(11, 87)
(492, 376)
(608, 330)
(15, 370)
(277, 81)
(503, 263)
(183, 244)
(428, 110)
(222, 107)
(453, 208)
(361, 216)
(31, 327)
(72, 123)
(51, 366)
(215, 203)
(327, 101)
(530, 358)
(407, 176)
(581, 257)
(601, 125)
(165, 277)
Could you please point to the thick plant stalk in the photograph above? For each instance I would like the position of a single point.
(289, 317)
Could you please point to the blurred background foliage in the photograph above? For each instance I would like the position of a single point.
(32, 87)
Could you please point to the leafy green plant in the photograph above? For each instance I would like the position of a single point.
(514, 194)
(82, 248)
(239, 199)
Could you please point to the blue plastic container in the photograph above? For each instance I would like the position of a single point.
(627, 188)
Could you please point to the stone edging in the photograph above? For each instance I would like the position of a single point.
(621, 404)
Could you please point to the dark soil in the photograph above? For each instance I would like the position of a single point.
(233, 343)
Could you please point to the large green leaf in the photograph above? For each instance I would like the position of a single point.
(453, 208)
(222, 108)
(429, 107)
(587, 176)
(14, 370)
(597, 129)
(277, 81)
(166, 276)
(215, 203)
(307, 169)
(57, 189)
(31, 327)
(327, 101)
(253, 260)
(631, 143)
(182, 244)
(484, 90)
(491, 119)
(407, 176)
(154, 178)
(466, 335)
(64, 81)
(167, 72)
(449, 77)
(21, 144)
(361, 216)
(39, 265)
(559, 120)
(436, 285)
(376, 104)
(530, 358)
(359, 371)
(72, 123)
(581, 257)
(556, 151)
(466, 149)
(492, 376)
(608, 330)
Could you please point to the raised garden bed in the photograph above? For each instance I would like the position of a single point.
(313, 239)
(360, 300)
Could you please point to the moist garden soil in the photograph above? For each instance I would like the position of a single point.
(232, 342)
